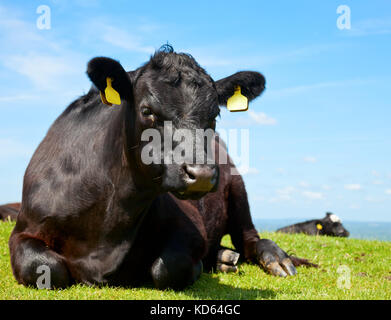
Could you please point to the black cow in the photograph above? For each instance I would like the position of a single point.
(9, 211)
(330, 225)
(94, 212)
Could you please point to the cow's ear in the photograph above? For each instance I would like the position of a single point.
(107, 74)
(251, 84)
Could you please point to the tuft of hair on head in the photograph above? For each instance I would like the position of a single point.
(178, 67)
(166, 48)
(165, 58)
(333, 217)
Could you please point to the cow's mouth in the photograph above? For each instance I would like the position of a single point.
(189, 195)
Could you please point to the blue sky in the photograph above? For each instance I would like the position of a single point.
(320, 137)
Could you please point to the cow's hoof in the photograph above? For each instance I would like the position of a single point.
(273, 259)
(226, 268)
(226, 256)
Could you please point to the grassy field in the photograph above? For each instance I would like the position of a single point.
(364, 273)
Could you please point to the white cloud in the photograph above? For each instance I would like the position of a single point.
(353, 186)
(312, 195)
(211, 55)
(372, 199)
(245, 170)
(370, 27)
(304, 184)
(310, 159)
(375, 173)
(326, 187)
(315, 86)
(283, 194)
(19, 97)
(208, 61)
(48, 59)
(258, 198)
(122, 39)
(261, 118)
(286, 190)
(45, 71)
(281, 198)
(41, 57)
(388, 191)
(10, 148)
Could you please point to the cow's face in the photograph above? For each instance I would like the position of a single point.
(332, 226)
(173, 104)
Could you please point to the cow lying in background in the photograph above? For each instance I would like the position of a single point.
(9, 211)
(330, 225)
(94, 212)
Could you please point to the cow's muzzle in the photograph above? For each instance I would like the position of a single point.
(200, 178)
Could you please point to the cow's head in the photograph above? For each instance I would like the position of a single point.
(172, 96)
(332, 226)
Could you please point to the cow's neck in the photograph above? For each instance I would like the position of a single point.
(136, 197)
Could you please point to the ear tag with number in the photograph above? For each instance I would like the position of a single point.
(110, 96)
(237, 102)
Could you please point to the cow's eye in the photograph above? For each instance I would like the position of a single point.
(146, 112)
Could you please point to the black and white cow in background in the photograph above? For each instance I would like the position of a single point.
(330, 225)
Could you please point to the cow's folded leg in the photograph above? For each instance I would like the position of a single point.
(175, 270)
(34, 264)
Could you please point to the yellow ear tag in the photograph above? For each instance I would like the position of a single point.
(237, 102)
(103, 98)
(111, 95)
(319, 226)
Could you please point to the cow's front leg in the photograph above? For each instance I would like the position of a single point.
(273, 259)
(175, 269)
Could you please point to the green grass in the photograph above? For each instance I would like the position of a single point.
(369, 264)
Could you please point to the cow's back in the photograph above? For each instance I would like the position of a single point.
(9, 211)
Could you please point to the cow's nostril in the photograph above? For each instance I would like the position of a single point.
(189, 174)
(199, 178)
